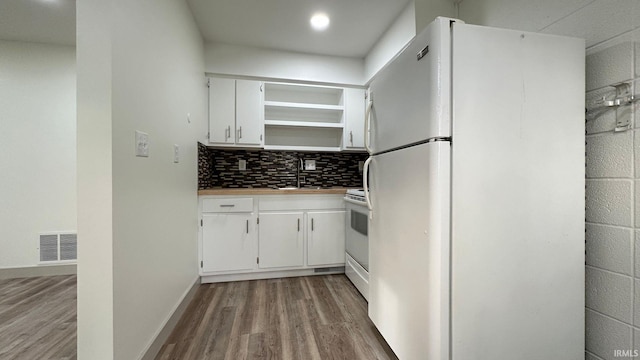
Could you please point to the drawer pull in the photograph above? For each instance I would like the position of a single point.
(247, 226)
(298, 225)
(311, 224)
(227, 205)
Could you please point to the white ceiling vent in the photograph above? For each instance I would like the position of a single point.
(58, 247)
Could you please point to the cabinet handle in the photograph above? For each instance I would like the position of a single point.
(351, 137)
(247, 226)
(240, 133)
(298, 225)
(311, 224)
(227, 205)
(227, 133)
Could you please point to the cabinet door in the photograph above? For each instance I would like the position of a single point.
(229, 242)
(354, 128)
(281, 240)
(222, 110)
(326, 233)
(249, 112)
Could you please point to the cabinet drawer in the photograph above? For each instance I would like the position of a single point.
(227, 205)
(301, 202)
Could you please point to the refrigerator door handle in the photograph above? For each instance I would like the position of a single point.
(367, 127)
(365, 182)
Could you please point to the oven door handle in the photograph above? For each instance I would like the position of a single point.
(365, 182)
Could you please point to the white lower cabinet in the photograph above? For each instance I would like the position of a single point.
(267, 236)
(281, 241)
(325, 237)
(229, 241)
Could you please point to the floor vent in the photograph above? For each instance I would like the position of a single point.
(58, 247)
(329, 269)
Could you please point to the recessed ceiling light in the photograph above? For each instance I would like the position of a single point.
(319, 21)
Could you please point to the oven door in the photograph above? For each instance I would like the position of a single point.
(357, 241)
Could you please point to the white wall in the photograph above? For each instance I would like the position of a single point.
(155, 77)
(428, 10)
(518, 14)
(38, 137)
(274, 64)
(393, 40)
(612, 32)
(95, 198)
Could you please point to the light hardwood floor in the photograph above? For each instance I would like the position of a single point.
(315, 317)
(38, 318)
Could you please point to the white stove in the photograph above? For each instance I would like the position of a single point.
(355, 196)
(357, 240)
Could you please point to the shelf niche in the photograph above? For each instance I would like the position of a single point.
(303, 117)
(303, 138)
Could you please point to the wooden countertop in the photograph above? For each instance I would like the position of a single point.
(270, 191)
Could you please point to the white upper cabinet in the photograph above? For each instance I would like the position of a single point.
(222, 110)
(282, 116)
(354, 120)
(235, 112)
(249, 112)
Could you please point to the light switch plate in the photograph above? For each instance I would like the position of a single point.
(242, 165)
(176, 153)
(142, 144)
(309, 164)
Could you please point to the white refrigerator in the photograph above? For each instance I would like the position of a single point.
(476, 187)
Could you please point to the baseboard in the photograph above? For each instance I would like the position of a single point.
(205, 279)
(170, 323)
(36, 271)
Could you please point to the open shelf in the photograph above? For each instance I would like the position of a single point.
(303, 117)
(282, 104)
(303, 94)
(324, 114)
(284, 137)
(303, 124)
(301, 148)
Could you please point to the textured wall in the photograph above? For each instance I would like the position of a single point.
(613, 170)
(219, 168)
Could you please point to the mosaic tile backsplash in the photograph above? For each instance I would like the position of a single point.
(272, 169)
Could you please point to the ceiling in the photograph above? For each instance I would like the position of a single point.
(42, 21)
(355, 26)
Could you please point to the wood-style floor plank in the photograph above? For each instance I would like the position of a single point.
(316, 318)
(38, 318)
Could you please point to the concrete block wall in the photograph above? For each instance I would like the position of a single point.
(611, 29)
